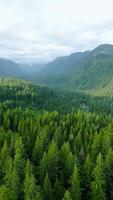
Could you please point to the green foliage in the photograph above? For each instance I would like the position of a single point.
(52, 155)
(67, 196)
(30, 187)
(35, 164)
(89, 72)
(98, 183)
(47, 188)
(75, 184)
(19, 93)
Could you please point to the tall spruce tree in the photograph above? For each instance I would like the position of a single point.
(98, 183)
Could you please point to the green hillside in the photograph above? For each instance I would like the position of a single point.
(83, 72)
(15, 93)
(21, 93)
(57, 144)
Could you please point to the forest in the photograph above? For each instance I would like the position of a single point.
(49, 154)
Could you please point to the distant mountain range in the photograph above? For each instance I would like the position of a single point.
(89, 71)
(9, 69)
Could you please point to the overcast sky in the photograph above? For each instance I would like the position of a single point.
(40, 30)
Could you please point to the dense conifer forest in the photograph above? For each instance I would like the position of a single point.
(56, 99)
(49, 154)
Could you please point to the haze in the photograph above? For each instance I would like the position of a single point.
(40, 30)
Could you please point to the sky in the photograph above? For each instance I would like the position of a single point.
(37, 31)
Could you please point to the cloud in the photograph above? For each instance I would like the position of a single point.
(39, 31)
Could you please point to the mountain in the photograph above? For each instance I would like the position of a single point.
(89, 72)
(33, 68)
(104, 49)
(9, 68)
(63, 65)
(84, 71)
(58, 147)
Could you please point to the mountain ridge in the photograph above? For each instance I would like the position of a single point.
(83, 71)
(9, 68)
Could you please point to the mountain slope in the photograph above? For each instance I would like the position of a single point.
(31, 68)
(85, 71)
(9, 69)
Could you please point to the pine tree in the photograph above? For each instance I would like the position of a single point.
(96, 145)
(66, 162)
(87, 170)
(58, 189)
(4, 154)
(98, 183)
(30, 188)
(108, 170)
(6, 122)
(49, 163)
(47, 188)
(19, 157)
(37, 150)
(11, 180)
(75, 184)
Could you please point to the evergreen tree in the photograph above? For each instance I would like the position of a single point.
(75, 184)
(98, 183)
(108, 170)
(49, 162)
(30, 187)
(86, 179)
(47, 188)
(11, 180)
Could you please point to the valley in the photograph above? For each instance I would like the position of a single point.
(56, 128)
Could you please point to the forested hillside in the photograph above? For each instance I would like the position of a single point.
(15, 93)
(87, 72)
(49, 154)
(58, 144)
(56, 100)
